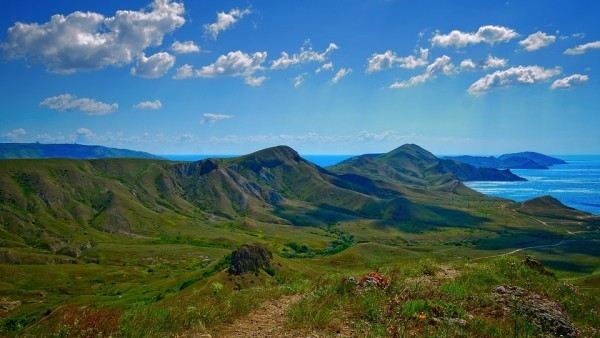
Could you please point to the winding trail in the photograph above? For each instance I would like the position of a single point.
(521, 249)
(535, 247)
(267, 321)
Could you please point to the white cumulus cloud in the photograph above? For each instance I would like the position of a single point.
(342, 73)
(153, 105)
(153, 66)
(569, 81)
(306, 55)
(537, 41)
(467, 64)
(441, 65)
(255, 81)
(494, 62)
(489, 34)
(212, 118)
(184, 47)
(88, 41)
(389, 59)
(513, 75)
(582, 49)
(225, 21)
(234, 64)
(184, 72)
(69, 102)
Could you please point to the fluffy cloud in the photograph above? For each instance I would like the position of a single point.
(185, 47)
(494, 62)
(569, 81)
(235, 64)
(87, 40)
(582, 49)
(184, 72)
(485, 34)
(153, 66)
(537, 41)
(15, 134)
(225, 21)
(520, 74)
(389, 59)
(343, 72)
(324, 67)
(306, 55)
(441, 65)
(68, 102)
(153, 105)
(255, 81)
(84, 132)
(212, 118)
(299, 80)
(467, 64)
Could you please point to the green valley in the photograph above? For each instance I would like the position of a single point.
(378, 245)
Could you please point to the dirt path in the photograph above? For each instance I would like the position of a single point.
(267, 321)
(521, 249)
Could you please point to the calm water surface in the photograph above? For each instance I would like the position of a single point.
(576, 184)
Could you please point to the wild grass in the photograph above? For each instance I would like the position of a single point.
(423, 301)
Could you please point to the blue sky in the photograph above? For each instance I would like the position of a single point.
(358, 76)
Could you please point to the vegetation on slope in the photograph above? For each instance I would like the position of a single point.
(131, 247)
(413, 165)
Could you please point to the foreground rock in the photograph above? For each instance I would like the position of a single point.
(250, 258)
(545, 313)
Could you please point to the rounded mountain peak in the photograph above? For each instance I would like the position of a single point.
(413, 150)
(281, 152)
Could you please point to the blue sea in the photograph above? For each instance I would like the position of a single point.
(576, 184)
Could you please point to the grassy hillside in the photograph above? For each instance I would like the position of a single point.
(134, 247)
(413, 165)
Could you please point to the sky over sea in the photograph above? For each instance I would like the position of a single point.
(324, 77)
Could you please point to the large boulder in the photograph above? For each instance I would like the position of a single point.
(250, 258)
(546, 314)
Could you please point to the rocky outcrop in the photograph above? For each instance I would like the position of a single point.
(250, 258)
(546, 314)
(536, 265)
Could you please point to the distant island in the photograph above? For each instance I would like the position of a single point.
(73, 151)
(522, 160)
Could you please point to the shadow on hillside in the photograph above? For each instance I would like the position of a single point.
(569, 266)
(399, 213)
(314, 216)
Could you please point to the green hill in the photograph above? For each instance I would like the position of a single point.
(140, 247)
(413, 165)
(76, 151)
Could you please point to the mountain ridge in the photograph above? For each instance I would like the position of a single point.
(411, 164)
(124, 231)
(67, 150)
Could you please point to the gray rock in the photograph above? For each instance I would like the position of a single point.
(546, 314)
